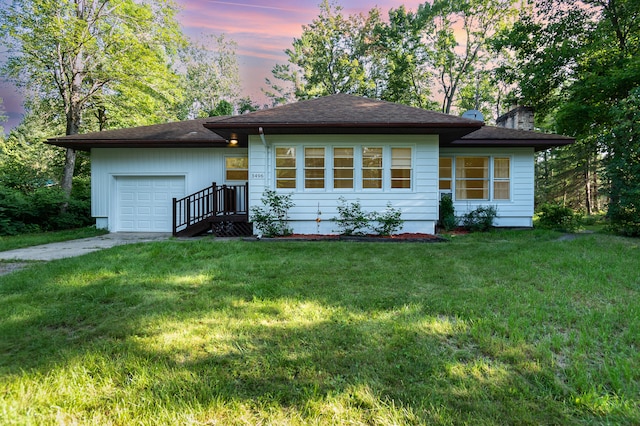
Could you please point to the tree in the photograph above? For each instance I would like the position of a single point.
(331, 56)
(575, 62)
(79, 53)
(457, 54)
(211, 79)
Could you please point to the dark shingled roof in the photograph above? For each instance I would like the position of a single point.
(500, 136)
(183, 134)
(345, 114)
(336, 114)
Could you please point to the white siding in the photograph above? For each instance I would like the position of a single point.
(199, 167)
(518, 211)
(418, 205)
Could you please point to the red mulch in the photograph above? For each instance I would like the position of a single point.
(404, 236)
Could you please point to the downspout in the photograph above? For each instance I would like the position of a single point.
(267, 174)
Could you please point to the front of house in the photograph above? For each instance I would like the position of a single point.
(320, 151)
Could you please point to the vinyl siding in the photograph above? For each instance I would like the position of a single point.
(199, 166)
(418, 204)
(518, 211)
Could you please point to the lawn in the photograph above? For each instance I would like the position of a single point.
(510, 327)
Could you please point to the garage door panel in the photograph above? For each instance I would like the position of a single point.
(144, 203)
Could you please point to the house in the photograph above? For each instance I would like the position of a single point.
(319, 150)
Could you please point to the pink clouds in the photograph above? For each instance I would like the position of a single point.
(263, 29)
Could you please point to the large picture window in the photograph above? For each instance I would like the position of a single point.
(371, 168)
(343, 168)
(286, 167)
(472, 178)
(314, 168)
(401, 168)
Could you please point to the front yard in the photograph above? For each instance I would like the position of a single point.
(512, 327)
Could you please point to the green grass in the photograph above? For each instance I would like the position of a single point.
(28, 240)
(502, 328)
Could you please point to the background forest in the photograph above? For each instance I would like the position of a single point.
(93, 65)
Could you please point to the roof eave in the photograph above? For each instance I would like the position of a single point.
(87, 145)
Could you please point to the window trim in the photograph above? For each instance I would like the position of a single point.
(491, 177)
(226, 169)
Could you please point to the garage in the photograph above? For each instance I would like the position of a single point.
(144, 203)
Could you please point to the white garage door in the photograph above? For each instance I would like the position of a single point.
(144, 203)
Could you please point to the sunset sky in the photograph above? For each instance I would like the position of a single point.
(262, 29)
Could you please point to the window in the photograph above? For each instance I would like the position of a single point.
(401, 168)
(371, 168)
(472, 178)
(343, 168)
(445, 171)
(285, 167)
(236, 168)
(314, 168)
(501, 179)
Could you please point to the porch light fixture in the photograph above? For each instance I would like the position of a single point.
(233, 139)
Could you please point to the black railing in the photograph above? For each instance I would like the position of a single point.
(225, 200)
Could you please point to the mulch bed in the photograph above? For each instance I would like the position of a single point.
(405, 237)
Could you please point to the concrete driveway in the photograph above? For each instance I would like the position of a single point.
(79, 247)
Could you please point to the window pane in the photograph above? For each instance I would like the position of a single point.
(445, 168)
(314, 173)
(501, 168)
(501, 190)
(285, 167)
(445, 184)
(237, 168)
(343, 168)
(472, 178)
(371, 157)
(372, 174)
(400, 174)
(367, 183)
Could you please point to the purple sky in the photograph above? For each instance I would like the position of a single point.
(263, 29)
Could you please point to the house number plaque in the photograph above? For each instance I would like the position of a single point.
(257, 175)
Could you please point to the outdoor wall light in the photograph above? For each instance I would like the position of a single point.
(233, 139)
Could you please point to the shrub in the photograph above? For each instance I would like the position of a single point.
(351, 219)
(273, 218)
(558, 217)
(447, 219)
(480, 219)
(389, 222)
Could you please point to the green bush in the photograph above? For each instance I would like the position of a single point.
(273, 219)
(351, 219)
(480, 219)
(389, 222)
(558, 217)
(41, 210)
(447, 219)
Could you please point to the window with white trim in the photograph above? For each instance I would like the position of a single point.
(401, 168)
(472, 178)
(236, 168)
(286, 167)
(314, 168)
(343, 168)
(445, 173)
(371, 167)
(501, 178)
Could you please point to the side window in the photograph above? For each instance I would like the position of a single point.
(371, 168)
(286, 167)
(236, 168)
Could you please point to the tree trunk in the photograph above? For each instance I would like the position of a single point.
(67, 175)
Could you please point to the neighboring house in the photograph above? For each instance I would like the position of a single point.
(319, 150)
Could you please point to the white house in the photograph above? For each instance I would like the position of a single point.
(319, 150)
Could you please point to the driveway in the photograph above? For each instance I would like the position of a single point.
(74, 248)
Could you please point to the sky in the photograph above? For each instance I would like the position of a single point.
(262, 29)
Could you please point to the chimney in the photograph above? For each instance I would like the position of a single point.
(520, 118)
